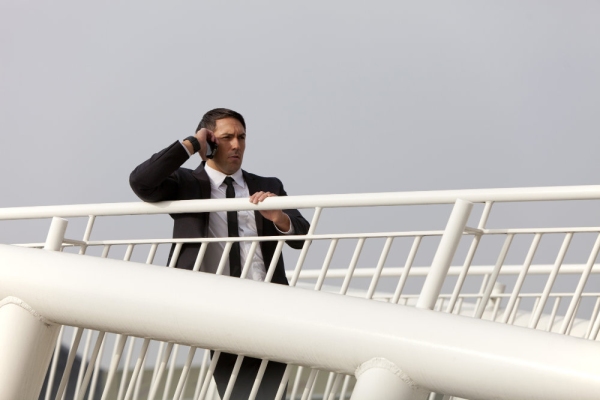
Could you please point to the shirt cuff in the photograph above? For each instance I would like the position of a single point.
(290, 232)
(186, 150)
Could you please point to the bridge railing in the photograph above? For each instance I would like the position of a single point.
(499, 292)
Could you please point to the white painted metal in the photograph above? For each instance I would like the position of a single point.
(56, 234)
(488, 299)
(324, 201)
(25, 351)
(381, 379)
(444, 254)
(27, 339)
(475, 361)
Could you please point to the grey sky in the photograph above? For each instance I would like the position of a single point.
(359, 96)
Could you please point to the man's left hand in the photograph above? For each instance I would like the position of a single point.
(279, 218)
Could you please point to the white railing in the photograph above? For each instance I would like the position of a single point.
(327, 331)
(498, 292)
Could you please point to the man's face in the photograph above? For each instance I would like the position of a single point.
(231, 138)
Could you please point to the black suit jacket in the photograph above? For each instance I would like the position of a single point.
(161, 178)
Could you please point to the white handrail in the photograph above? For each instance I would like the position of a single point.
(322, 330)
(556, 193)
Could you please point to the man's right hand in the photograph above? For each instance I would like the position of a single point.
(202, 135)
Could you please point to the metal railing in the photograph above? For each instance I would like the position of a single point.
(498, 292)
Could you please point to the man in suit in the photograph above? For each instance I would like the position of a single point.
(161, 178)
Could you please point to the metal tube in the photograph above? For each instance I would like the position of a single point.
(362, 327)
(114, 363)
(444, 254)
(201, 374)
(553, 313)
(209, 374)
(329, 385)
(595, 329)
(56, 234)
(69, 364)
(350, 271)
(284, 382)
(249, 258)
(382, 258)
(175, 255)
(465, 269)
(326, 264)
(139, 365)
(86, 348)
(27, 341)
(582, 281)
(306, 246)
(87, 233)
(171, 372)
(590, 192)
(463, 274)
(224, 258)
(379, 378)
(94, 369)
(407, 267)
(296, 384)
(55, 357)
(90, 368)
(161, 368)
(309, 383)
(519, 284)
(334, 389)
(200, 257)
(125, 370)
(274, 261)
(233, 377)
(258, 380)
(551, 279)
(494, 276)
(345, 387)
(184, 374)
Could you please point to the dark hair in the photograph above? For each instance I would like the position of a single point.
(209, 120)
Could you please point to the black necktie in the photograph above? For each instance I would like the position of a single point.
(235, 260)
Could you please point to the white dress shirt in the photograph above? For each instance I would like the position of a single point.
(217, 226)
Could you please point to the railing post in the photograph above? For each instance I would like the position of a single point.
(27, 339)
(444, 254)
(380, 379)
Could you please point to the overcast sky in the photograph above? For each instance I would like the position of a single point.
(357, 96)
(339, 96)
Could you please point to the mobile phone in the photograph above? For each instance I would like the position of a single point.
(212, 149)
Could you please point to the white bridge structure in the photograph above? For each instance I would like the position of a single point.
(446, 327)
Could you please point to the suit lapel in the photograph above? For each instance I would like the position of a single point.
(253, 187)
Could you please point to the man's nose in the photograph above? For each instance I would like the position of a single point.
(235, 143)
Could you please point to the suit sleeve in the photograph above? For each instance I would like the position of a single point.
(300, 224)
(156, 179)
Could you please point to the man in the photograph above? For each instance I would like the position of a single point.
(161, 178)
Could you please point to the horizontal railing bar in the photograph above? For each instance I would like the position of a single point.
(453, 271)
(556, 193)
(371, 235)
(584, 229)
(362, 328)
(254, 238)
(75, 242)
(498, 295)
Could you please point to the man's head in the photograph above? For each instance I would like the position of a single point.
(229, 129)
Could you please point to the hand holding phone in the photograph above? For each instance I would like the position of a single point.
(208, 143)
(211, 149)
